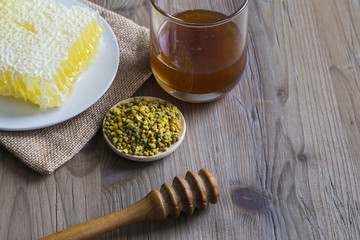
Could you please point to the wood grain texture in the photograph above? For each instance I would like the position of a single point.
(184, 195)
(284, 144)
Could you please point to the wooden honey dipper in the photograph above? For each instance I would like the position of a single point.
(195, 191)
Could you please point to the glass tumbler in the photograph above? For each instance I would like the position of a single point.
(198, 48)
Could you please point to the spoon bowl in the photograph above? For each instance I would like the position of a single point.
(158, 156)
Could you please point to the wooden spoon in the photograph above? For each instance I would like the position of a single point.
(195, 191)
(158, 156)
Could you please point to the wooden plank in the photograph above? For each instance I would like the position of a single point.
(283, 144)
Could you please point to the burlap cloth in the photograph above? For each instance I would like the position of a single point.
(44, 150)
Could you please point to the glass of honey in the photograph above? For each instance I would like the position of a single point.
(198, 48)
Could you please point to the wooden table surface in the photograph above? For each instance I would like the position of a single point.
(284, 144)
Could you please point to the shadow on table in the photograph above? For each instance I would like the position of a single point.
(173, 227)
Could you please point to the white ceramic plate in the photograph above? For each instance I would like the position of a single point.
(18, 115)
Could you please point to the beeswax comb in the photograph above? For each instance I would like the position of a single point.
(44, 47)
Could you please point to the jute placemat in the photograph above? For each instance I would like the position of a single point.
(44, 150)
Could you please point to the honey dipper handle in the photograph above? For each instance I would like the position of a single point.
(195, 191)
(151, 207)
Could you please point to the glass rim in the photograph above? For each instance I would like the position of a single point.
(212, 23)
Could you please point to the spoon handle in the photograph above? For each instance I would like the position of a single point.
(195, 191)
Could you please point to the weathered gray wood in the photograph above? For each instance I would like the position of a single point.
(283, 144)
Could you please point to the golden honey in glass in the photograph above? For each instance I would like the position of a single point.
(198, 54)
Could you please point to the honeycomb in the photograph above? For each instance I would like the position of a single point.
(44, 46)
